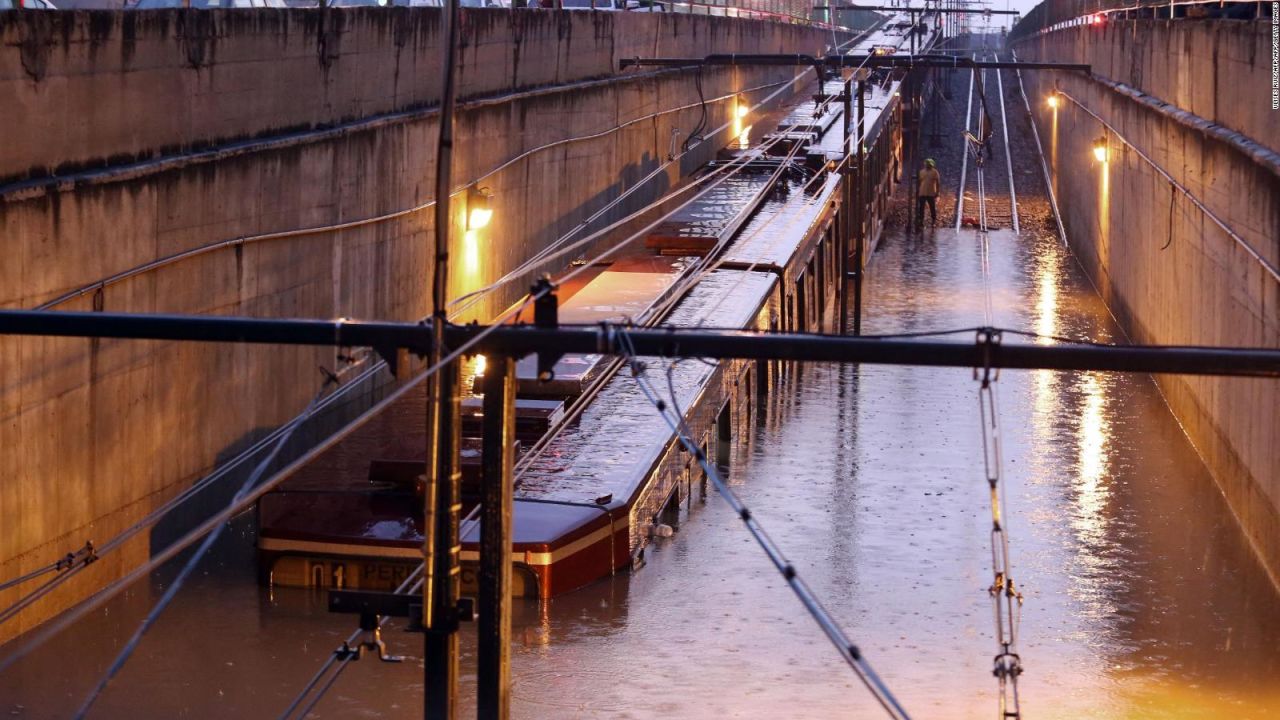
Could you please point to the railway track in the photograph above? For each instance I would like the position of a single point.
(988, 193)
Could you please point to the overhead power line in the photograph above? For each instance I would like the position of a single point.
(176, 584)
(674, 418)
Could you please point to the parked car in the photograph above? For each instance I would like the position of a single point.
(586, 4)
(204, 4)
(410, 3)
(27, 5)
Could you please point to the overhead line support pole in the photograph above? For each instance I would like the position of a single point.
(441, 496)
(859, 230)
(493, 677)
(846, 194)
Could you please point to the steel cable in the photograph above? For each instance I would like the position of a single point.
(96, 600)
(1005, 597)
(176, 584)
(247, 495)
(409, 585)
(849, 651)
(84, 555)
(160, 512)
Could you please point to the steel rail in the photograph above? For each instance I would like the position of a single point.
(1044, 165)
(964, 155)
(606, 338)
(1008, 153)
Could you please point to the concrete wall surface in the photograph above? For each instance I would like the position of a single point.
(96, 88)
(1168, 272)
(1219, 70)
(97, 433)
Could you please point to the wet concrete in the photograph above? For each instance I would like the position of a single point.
(1142, 598)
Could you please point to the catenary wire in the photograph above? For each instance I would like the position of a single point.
(164, 509)
(405, 587)
(850, 652)
(243, 501)
(192, 562)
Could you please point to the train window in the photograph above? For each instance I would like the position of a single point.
(724, 434)
(833, 264)
(811, 289)
(800, 324)
(822, 280)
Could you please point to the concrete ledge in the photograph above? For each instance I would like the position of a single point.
(94, 89)
(1264, 156)
(1219, 70)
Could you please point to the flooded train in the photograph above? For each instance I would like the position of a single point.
(599, 472)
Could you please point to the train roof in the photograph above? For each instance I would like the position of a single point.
(894, 33)
(626, 289)
(775, 234)
(630, 288)
(714, 215)
(619, 437)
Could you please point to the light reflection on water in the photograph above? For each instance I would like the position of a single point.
(1143, 599)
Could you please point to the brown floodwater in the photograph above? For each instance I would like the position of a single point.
(1143, 598)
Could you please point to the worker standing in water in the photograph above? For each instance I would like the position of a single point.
(930, 181)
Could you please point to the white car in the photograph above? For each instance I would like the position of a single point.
(204, 4)
(586, 5)
(27, 5)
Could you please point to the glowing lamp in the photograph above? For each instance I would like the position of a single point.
(479, 208)
(1053, 101)
(481, 363)
(1100, 148)
(742, 109)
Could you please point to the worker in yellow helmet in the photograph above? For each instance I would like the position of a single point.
(930, 182)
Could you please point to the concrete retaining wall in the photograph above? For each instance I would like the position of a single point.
(1167, 271)
(1219, 70)
(94, 88)
(98, 433)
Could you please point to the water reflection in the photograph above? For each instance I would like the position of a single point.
(1046, 312)
(1143, 598)
(1092, 492)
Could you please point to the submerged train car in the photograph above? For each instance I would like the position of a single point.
(584, 507)
(590, 493)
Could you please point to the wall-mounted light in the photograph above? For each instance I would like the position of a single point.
(1053, 100)
(742, 109)
(481, 363)
(1100, 149)
(479, 207)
